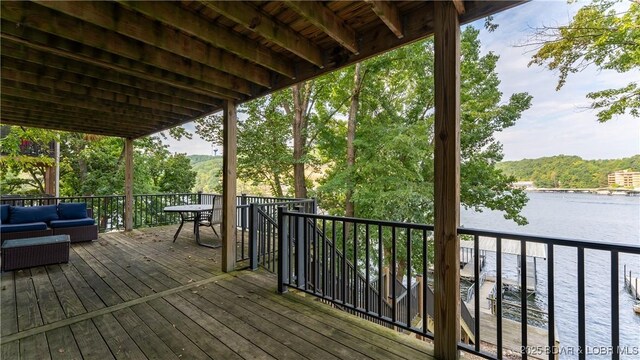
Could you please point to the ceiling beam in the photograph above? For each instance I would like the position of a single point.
(60, 120)
(327, 21)
(459, 5)
(389, 14)
(170, 13)
(31, 119)
(131, 24)
(113, 63)
(31, 82)
(44, 123)
(52, 66)
(87, 111)
(417, 24)
(25, 91)
(265, 26)
(22, 18)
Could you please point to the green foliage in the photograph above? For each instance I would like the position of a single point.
(92, 165)
(21, 173)
(196, 159)
(393, 175)
(567, 171)
(208, 172)
(602, 35)
(177, 175)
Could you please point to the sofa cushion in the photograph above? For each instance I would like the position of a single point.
(31, 214)
(4, 213)
(10, 228)
(70, 211)
(71, 223)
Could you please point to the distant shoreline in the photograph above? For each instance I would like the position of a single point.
(599, 191)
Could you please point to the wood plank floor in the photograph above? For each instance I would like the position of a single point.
(140, 296)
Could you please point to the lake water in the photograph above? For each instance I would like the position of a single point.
(614, 219)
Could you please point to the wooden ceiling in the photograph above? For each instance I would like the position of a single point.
(132, 68)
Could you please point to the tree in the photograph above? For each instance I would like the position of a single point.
(358, 80)
(392, 175)
(176, 175)
(602, 35)
(25, 151)
(278, 133)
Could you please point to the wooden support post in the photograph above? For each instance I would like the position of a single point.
(128, 184)
(447, 180)
(229, 160)
(50, 180)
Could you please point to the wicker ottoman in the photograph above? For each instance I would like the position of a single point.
(30, 252)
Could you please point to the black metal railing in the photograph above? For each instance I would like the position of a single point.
(311, 245)
(550, 348)
(109, 210)
(340, 265)
(262, 225)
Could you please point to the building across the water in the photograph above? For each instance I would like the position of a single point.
(624, 178)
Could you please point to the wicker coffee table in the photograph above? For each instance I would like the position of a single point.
(37, 251)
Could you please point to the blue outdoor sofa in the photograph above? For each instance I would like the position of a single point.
(73, 219)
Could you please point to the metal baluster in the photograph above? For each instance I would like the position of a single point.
(344, 262)
(316, 257)
(523, 297)
(551, 308)
(324, 257)
(290, 240)
(425, 282)
(355, 265)
(499, 295)
(334, 266)
(392, 263)
(366, 249)
(476, 297)
(380, 262)
(615, 307)
(581, 306)
(408, 296)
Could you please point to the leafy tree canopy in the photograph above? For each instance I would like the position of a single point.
(564, 171)
(605, 34)
(91, 165)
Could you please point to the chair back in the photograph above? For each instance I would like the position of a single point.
(216, 210)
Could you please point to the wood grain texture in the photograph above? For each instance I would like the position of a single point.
(201, 314)
(327, 21)
(447, 180)
(229, 168)
(116, 20)
(252, 19)
(389, 14)
(214, 34)
(169, 63)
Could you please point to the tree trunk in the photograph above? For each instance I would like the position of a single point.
(351, 135)
(277, 185)
(301, 94)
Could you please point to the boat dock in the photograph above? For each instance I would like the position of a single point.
(632, 283)
(510, 329)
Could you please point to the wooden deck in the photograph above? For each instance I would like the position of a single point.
(139, 296)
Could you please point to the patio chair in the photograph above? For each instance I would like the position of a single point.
(214, 217)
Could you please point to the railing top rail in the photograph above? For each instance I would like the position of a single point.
(274, 198)
(560, 241)
(363, 221)
(282, 203)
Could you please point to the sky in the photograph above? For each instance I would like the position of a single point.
(558, 122)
